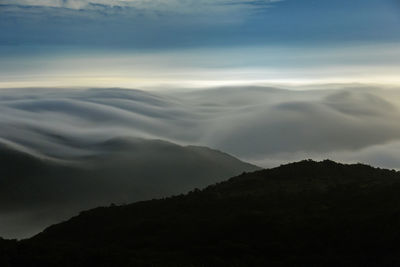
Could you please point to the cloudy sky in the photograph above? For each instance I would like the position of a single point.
(187, 43)
(343, 56)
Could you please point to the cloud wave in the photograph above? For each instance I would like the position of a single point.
(253, 123)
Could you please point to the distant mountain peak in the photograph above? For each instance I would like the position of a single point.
(36, 191)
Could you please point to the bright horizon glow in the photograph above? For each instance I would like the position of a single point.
(199, 68)
(115, 82)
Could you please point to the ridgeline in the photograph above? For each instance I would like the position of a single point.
(301, 214)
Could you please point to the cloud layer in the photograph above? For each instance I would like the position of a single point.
(254, 123)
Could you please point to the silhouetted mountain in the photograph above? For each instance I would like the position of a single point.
(37, 191)
(301, 214)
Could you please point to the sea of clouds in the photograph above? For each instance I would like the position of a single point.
(263, 125)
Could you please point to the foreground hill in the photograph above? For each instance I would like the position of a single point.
(302, 214)
(37, 191)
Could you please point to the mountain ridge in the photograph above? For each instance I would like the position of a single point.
(119, 170)
(301, 214)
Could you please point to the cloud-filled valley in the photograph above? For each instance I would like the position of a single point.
(64, 150)
(253, 123)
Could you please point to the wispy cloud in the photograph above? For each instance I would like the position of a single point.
(175, 6)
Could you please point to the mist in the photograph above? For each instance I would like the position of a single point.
(256, 124)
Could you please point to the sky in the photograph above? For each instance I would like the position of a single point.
(319, 47)
(186, 43)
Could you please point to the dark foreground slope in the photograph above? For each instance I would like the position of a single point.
(37, 191)
(301, 214)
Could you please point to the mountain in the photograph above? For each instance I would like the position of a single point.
(37, 191)
(301, 214)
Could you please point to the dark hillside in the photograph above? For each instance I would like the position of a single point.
(301, 214)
